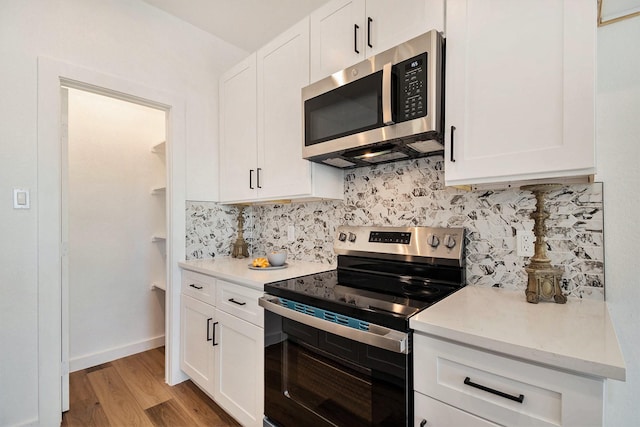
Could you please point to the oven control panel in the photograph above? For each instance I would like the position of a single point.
(433, 244)
(395, 237)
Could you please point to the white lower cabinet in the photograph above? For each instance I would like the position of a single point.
(432, 413)
(197, 356)
(453, 381)
(239, 388)
(222, 344)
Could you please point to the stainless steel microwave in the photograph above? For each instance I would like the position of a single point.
(386, 108)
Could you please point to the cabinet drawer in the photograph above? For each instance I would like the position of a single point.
(199, 286)
(240, 301)
(438, 414)
(504, 390)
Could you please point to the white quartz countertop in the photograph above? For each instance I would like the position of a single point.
(577, 336)
(238, 271)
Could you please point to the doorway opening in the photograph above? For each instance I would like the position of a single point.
(114, 228)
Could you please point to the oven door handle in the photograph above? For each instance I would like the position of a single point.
(376, 336)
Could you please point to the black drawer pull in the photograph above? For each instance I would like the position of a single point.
(195, 286)
(453, 129)
(423, 423)
(236, 302)
(355, 38)
(518, 399)
(209, 328)
(213, 339)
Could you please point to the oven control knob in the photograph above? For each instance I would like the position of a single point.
(433, 240)
(352, 237)
(342, 237)
(449, 241)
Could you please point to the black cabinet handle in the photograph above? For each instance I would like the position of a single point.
(518, 399)
(453, 128)
(236, 302)
(355, 38)
(195, 287)
(258, 177)
(213, 338)
(209, 328)
(251, 179)
(423, 423)
(369, 21)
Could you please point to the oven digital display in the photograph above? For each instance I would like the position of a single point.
(402, 238)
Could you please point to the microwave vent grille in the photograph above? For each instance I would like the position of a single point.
(427, 146)
(338, 162)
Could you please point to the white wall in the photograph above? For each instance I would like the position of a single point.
(124, 38)
(112, 216)
(618, 156)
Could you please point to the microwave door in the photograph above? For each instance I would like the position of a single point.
(346, 110)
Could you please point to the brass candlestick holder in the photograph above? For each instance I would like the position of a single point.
(544, 279)
(240, 249)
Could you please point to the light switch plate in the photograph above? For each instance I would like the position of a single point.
(21, 199)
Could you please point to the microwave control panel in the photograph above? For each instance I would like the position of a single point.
(411, 94)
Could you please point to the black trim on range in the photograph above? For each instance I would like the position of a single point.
(518, 399)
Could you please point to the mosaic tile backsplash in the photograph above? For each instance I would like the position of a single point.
(412, 193)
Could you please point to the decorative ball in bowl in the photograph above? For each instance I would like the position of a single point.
(276, 259)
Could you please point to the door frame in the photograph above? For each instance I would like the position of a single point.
(52, 74)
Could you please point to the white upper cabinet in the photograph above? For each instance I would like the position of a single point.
(337, 36)
(390, 23)
(344, 32)
(283, 69)
(261, 144)
(520, 90)
(238, 156)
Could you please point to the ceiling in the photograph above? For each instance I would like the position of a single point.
(247, 24)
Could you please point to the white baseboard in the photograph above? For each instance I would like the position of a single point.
(94, 359)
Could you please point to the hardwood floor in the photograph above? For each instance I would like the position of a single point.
(132, 392)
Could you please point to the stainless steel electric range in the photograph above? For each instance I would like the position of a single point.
(338, 344)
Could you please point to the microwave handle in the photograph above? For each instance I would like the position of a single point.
(387, 117)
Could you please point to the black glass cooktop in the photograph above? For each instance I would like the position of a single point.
(370, 292)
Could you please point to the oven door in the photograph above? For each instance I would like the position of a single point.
(318, 378)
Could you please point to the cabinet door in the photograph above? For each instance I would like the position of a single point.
(388, 24)
(197, 353)
(338, 32)
(520, 90)
(283, 69)
(238, 157)
(432, 413)
(240, 384)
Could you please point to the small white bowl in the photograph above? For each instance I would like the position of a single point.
(276, 259)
